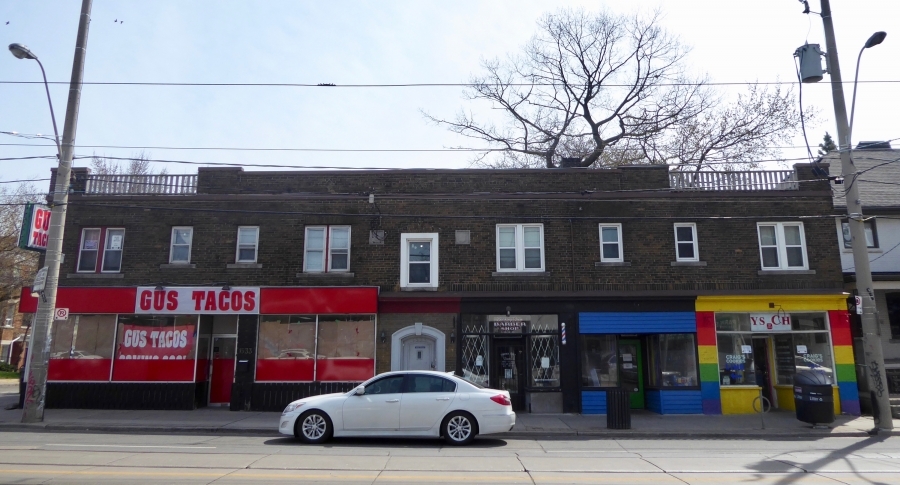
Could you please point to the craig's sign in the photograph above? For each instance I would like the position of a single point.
(35, 228)
(770, 322)
(193, 300)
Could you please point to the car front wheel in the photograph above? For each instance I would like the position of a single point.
(459, 428)
(313, 427)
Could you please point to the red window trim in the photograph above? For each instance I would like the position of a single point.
(101, 248)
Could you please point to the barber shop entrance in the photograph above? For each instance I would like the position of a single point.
(515, 353)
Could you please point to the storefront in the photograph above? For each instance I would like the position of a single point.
(652, 355)
(752, 346)
(183, 347)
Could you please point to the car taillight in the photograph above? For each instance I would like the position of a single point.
(501, 400)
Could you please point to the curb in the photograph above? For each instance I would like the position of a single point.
(588, 434)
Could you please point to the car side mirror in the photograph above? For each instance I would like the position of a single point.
(359, 391)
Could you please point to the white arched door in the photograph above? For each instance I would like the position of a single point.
(418, 353)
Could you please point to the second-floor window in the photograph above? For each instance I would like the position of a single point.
(247, 244)
(100, 250)
(419, 260)
(611, 243)
(782, 245)
(520, 247)
(180, 249)
(327, 249)
(686, 242)
(871, 234)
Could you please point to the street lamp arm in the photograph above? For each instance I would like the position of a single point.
(52, 115)
(853, 103)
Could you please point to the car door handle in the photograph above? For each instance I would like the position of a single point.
(442, 399)
(393, 400)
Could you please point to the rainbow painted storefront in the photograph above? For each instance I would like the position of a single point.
(740, 358)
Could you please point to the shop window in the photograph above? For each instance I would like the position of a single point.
(419, 260)
(108, 242)
(802, 352)
(520, 247)
(782, 246)
(346, 348)
(871, 234)
(686, 242)
(248, 243)
(81, 348)
(180, 249)
(673, 360)
(600, 361)
(736, 360)
(611, 243)
(327, 249)
(893, 307)
(155, 348)
(286, 348)
(543, 356)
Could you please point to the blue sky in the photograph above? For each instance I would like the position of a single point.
(358, 42)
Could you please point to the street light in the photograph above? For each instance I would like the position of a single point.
(874, 39)
(23, 52)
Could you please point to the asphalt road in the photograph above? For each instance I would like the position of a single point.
(43, 457)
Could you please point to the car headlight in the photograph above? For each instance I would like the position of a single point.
(292, 407)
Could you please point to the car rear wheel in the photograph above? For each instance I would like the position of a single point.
(313, 427)
(459, 428)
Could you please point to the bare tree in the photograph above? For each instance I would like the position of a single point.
(611, 89)
(138, 164)
(17, 266)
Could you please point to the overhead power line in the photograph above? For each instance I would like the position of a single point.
(409, 85)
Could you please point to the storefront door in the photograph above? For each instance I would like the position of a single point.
(762, 366)
(223, 352)
(631, 375)
(418, 354)
(509, 370)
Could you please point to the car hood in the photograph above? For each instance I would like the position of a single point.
(320, 397)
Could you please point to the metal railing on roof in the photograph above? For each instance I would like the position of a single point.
(141, 184)
(747, 180)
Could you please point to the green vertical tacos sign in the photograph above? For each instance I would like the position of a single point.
(35, 227)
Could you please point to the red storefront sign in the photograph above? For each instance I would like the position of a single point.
(35, 227)
(164, 343)
(197, 300)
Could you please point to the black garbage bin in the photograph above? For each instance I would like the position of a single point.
(813, 397)
(618, 409)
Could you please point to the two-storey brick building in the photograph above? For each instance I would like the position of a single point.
(695, 292)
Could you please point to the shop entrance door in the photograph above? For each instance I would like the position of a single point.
(763, 367)
(631, 374)
(418, 353)
(509, 370)
(222, 375)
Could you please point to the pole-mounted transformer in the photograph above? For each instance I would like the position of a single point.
(811, 63)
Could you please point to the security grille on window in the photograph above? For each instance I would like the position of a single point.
(248, 240)
(327, 249)
(686, 242)
(611, 243)
(180, 252)
(871, 234)
(419, 260)
(782, 245)
(94, 241)
(520, 247)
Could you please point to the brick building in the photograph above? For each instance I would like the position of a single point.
(695, 292)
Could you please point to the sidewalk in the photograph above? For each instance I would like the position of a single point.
(644, 424)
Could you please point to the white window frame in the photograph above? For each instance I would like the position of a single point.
(693, 227)
(782, 246)
(327, 250)
(81, 250)
(237, 250)
(520, 248)
(869, 227)
(172, 245)
(621, 257)
(407, 238)
(105, 238)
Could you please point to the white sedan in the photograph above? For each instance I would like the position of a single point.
(402, 404)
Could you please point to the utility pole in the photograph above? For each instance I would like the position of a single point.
(874, 355)
(39, 355)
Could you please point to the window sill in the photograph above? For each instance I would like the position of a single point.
(774, 272)
(96, 276)
(520, 274)
(343, 274)
(610, 263)
(243, 266)
(688, 263)
(418, 288)
(177, 266)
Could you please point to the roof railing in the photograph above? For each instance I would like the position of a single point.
(746, 180)
(141, 184)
